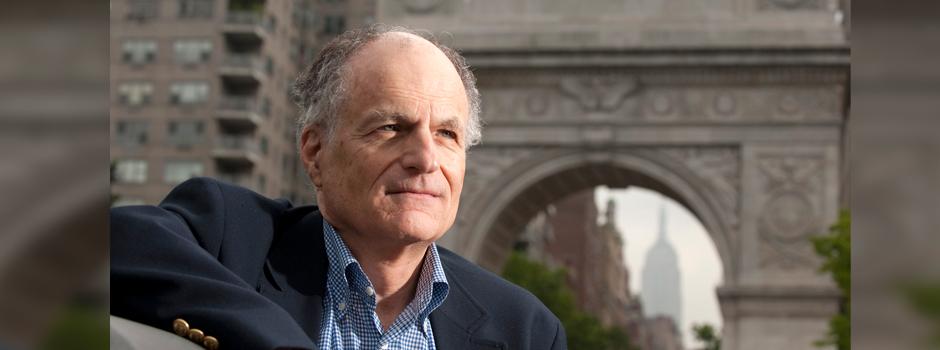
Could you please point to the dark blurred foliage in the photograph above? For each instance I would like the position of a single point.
(584, 331)
(706, 334)
(925, 298)
(80, 326)
(835, 248)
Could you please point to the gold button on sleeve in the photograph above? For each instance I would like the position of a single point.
(196, 335)
(210, 343)
(180, 327)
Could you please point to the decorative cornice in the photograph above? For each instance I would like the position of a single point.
(690, 57)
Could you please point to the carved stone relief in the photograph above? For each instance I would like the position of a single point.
(793, 4)
(484, 165)
(791, 211)
(421, 6)
(719, 167)
(626, 98)
(598, 93)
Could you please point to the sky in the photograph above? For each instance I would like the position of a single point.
(637, 219)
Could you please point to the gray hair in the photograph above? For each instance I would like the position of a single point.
(321, 89)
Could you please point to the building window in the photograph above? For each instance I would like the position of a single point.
(246, 5)
(262, 183)
(185, 133)
(192, 51)
(334, 25)
(189, 93)
(196, 8)
(263, 145)
(177, 171)
(269, 65)
(141, 10)
(139, 51)
(131, 133)
(265, 107)
(130, 171)
(295, 49)
(270, 23)
(135, 94)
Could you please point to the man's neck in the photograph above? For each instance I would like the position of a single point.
(393, 270)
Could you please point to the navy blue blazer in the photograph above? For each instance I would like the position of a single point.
(251, 272)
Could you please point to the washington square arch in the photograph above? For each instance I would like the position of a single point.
(733, 108)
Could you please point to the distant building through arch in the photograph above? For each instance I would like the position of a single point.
(662, 287)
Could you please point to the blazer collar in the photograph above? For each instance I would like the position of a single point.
(458, 318)
(296, 268)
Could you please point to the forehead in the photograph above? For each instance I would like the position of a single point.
(401, 61)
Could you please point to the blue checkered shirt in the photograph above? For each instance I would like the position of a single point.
(349, 318)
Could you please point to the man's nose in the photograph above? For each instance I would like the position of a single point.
(420, 153)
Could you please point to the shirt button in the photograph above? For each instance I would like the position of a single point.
(383, 346)
(341, 306)
(370, 291)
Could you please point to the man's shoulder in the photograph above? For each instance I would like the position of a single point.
(207, 187)
(215, 198)
(490, 290)
(210, 210)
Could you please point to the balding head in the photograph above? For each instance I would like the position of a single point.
(322, 88)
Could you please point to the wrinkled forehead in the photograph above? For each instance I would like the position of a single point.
(401, 61)
(396, 51)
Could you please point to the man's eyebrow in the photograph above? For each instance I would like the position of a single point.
(451, 122)
(378, 114)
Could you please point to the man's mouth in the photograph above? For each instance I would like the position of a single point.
(414, 193)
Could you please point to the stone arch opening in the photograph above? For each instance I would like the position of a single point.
(520, 193)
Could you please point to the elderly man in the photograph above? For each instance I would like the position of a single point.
(388, 118)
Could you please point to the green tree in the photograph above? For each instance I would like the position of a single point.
(706, 334)
(835, 248)
(924, 297)
(584, 331)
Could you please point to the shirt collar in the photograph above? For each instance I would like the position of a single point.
(339, 258)
(345, 273)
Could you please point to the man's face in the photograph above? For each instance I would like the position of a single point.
(394, 168)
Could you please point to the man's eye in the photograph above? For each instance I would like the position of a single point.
(449, 134)
(390, 127)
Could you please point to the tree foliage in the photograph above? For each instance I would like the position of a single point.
(584, 331)
(924, 297)
(835, 248)
(707, 335)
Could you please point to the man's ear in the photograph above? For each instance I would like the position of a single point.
(311, 146)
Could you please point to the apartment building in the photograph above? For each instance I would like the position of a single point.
(201, 88)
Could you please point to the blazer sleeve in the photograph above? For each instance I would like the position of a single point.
(165, 265)
(561, 339)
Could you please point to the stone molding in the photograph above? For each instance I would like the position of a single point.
(651, 98)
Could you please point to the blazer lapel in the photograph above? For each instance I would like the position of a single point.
(296, 268)
(458, 317)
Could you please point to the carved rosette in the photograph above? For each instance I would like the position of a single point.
(792, 211)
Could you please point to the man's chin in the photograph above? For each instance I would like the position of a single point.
(415, 227)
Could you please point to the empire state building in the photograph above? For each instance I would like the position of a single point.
(661, 288)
